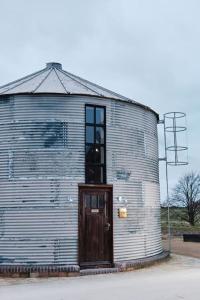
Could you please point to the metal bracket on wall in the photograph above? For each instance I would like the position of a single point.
(162, 159)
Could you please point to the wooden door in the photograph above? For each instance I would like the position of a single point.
(95, 227)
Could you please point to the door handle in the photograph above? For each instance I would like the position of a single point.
(107, 226)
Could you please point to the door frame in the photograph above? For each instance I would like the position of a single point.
(103, 187)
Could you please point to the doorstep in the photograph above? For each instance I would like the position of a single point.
(128, 265)
(96, 271)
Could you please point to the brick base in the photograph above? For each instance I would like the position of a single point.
(17, 271)
(22, 271)
(142, 262)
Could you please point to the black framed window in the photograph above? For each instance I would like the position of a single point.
(95, 144)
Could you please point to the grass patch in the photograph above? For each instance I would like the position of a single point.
(178, 225)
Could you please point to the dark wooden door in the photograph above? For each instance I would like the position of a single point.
(95, 227)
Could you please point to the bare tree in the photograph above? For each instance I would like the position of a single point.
(187, 194)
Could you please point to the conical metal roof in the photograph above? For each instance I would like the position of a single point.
(53, 79)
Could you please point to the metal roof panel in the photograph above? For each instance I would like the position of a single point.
(53, 79)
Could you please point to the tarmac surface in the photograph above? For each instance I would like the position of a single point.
(177, 278)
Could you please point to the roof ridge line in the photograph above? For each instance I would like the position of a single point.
(42, 81)
(12, 82)
(66, 73)
(101, 87)
(55, 70)
(27, 79)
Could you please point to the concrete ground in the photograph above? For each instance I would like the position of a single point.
(183, 248)
(177, 278)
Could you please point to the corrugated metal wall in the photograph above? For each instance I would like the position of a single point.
(133, 156)
(42, 162)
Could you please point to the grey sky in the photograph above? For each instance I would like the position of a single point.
(146, 50)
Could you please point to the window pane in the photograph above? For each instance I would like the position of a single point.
(87, 200)
(89, 114)
(94, 174)
(99, 115)
(90, 154)
(94, 154)
(99, 174)
(99, 135)
(101, 201)
(90, 174)
(94, 201)
(99, 154)
(89, 134)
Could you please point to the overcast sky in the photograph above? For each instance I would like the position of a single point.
(148, 50)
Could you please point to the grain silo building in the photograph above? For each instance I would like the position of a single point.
(79, 178)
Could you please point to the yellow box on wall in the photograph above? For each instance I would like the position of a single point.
(122, 212)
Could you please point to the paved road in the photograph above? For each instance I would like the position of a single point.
(177, 279)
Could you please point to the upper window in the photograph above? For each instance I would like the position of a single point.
(95, 146)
